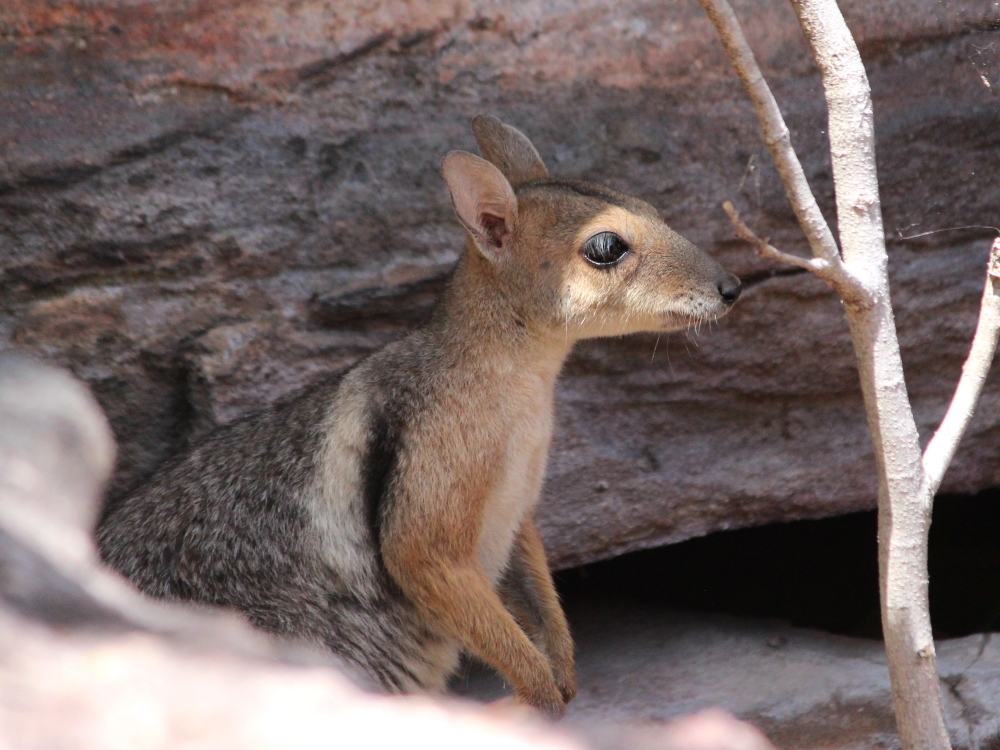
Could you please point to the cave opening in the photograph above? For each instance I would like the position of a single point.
(819, 574)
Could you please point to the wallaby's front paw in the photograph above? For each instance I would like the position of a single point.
(565, 675)
(548, 701)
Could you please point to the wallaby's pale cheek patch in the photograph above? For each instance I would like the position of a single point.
(581, 297)
(589, 289)
(656, 285)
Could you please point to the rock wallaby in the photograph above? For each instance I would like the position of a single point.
(388, 514)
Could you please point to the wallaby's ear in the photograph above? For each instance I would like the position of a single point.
(509, 149)
(484, 200)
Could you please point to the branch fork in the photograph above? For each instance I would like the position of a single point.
(941, 449)
(834, 272)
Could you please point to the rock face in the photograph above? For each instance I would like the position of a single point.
(202, 205)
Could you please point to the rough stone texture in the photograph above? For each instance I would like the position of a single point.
(202, 204)
(639, 665)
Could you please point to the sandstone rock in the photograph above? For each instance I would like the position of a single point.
(55, 444)
(713, 729)
(95, 690)
(203, 205)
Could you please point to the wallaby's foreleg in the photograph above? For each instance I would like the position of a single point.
(518, 594)
(533, 600)
(458, 596)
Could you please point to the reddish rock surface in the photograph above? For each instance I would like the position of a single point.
(204, 204)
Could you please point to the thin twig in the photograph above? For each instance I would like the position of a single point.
(834, 274)
(943, 445)
(774, 131)
(766, 250)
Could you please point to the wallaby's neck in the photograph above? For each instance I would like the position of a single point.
(480, 325)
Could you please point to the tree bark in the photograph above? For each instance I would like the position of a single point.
(904, 501)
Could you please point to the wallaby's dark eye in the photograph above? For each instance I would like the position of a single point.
(605, 249)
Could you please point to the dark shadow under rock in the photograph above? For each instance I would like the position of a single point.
(820, 574)
(767, 642)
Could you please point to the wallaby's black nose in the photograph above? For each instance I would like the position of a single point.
(729, 287)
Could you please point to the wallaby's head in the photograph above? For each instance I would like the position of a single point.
(573, 255)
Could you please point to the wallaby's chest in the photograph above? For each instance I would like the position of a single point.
(514, 494)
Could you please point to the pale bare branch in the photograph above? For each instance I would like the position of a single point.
(943, 445)
(851, 129)
(904, 504)
(834, 274)
(904, 501)
(767, 250)
(774, 131)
